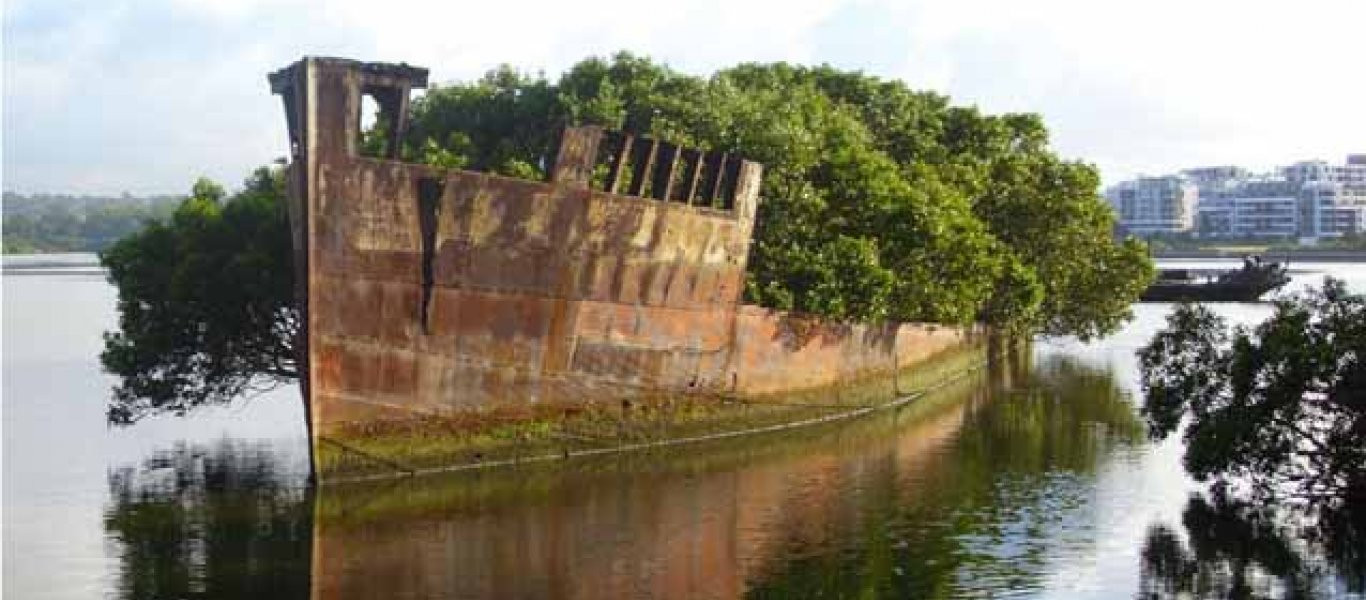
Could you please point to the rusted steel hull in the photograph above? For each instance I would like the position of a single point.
(435, 294)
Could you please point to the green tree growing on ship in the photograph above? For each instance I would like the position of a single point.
(879, 203)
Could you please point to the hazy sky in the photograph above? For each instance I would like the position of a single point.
(107, 96)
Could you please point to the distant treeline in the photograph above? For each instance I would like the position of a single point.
(1165, 243)
(58, 223)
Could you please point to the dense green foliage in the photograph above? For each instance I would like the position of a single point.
(45, 223)
(206, 307)
(1281, 405)
(878, 202)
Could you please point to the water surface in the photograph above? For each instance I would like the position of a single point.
(1032, 479)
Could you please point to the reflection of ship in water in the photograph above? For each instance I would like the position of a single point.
(1246, 284)
(822, 511)
(709, 525)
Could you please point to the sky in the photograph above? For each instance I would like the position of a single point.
(106, 97)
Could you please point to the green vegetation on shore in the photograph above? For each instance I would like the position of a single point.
(1185, 242)
(42, 223)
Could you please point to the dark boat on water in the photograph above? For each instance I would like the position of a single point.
(1218, 285)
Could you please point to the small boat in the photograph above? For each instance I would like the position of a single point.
(1247, 284)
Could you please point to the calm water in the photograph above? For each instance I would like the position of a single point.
(1032, 480)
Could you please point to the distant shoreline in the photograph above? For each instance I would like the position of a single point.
(1293, 255)
(55, 263)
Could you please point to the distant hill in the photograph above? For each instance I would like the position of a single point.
(42, 223)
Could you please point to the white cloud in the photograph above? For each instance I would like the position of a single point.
(1161, 84)
(103, 97)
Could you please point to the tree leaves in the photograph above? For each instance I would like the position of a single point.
(932, 212)
(1279, 405)
(206, 303)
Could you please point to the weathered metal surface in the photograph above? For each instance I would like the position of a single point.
(431, 292)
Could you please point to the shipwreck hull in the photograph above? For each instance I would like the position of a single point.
(449, 305)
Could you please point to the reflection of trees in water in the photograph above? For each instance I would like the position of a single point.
(228, 521)
(1063, 417)
(1238, 549)
(1037, 447)
(1011, 488)
(977, 510)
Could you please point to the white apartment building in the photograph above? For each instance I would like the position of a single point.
(1263, 207)
(1154, 205)
(1211, 179)
(1318, 171)
(1331, 210)
(1307, 200)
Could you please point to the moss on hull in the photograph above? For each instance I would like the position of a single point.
(358, 503)
(549, 431)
